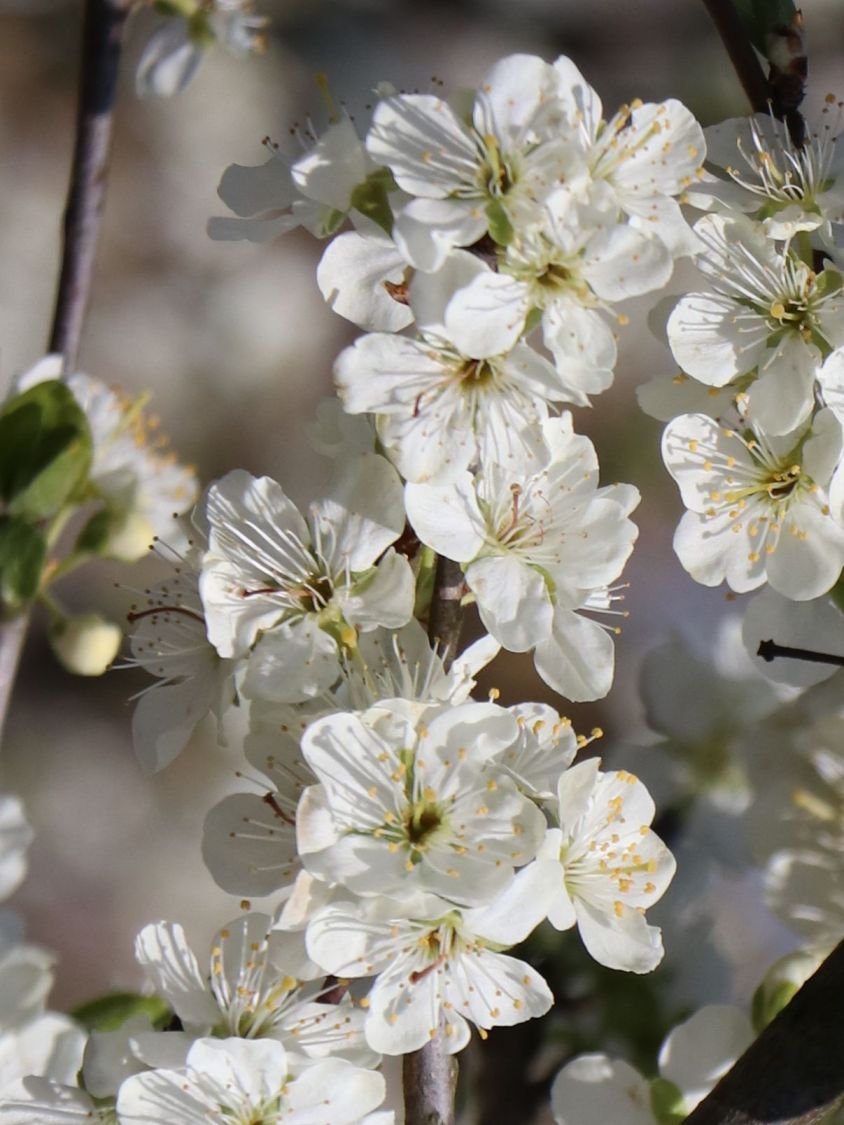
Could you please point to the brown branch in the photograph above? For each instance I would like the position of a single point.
(102, 38)
(794, 1073)
(742, 55)
(101, 42)
(446, 617)
(429, 1075)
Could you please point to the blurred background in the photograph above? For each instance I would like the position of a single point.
(235, 345)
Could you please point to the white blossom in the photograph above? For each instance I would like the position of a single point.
(612, 866)
(537, 546)
(437, 966)
(758, 507)
(258, 984)
(415, 804)
(303, 584)
(787, 187)
(456, 395)
(227, 1080)
(314, 191)
(169, 640)
(470, 178)
(768, 316)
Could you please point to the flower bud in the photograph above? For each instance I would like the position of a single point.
(85, 645)
(784, 978)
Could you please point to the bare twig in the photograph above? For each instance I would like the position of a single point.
(770, 650)
(101, 41)
(793, 1074)
(102, 38)
(742, 56)
(430, 1075)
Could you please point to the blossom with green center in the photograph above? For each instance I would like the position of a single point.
(768, 321)
(758, 506)
(415, 802)
(538, 546)
(787, 187)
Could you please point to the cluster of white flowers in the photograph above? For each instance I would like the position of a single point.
(409, 834)
(754, 437)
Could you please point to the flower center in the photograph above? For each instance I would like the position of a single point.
(422, 824)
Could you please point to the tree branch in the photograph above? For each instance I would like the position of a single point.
(102, 37)
(429, 1076)
(742, 56)
(794, 1073)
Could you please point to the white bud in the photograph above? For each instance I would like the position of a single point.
(86, 645)
(129, 538)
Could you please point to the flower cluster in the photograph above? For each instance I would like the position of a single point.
(754, 416)
(409, 834)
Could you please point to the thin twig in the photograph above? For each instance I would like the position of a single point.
(102, 38)
(742, 56)
(770, 650)
(429, 1076)
(101, 42)
(793, 1073)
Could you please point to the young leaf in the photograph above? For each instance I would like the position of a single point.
(45, 450)
(22, 552)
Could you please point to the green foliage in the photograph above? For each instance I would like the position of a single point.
(762, 17)
(371, 198)
(45, 451)
(108, 1013)
(95, 534)
(23, 550)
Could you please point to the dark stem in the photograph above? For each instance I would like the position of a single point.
(446, 617)
(770, 650)
(101, 41)
(429, 1075)
(793, 1073)
(741, 52)
(102, 37)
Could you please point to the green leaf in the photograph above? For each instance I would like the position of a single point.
(667, 1102)
(23, 550)
(107, 1013)
(96, 532)
(45, 450)
(371, 198)
(500, 227)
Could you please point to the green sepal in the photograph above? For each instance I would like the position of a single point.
(667, 1102)
(96, 532)
(108, 1013)
(371, 198)
(533, 320)
(769, 1001)
(498, 222)
(45, 450)
(183, 8)
(23, 550)
(200, 31)
(761, 18)
(425, 577)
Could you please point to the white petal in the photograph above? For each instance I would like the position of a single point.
(700, 1051)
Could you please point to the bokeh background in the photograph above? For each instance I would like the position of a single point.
(236, 346)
